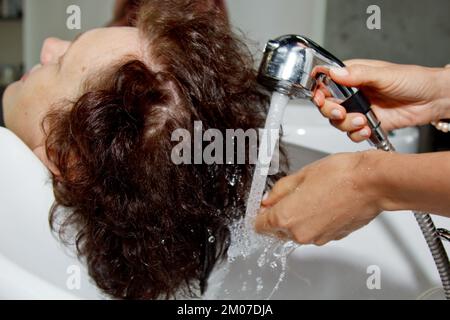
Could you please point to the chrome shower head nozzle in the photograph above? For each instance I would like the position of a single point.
(288, 63)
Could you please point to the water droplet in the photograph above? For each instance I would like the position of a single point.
(212, 239)
(259, 284)
(261, 260)
(273, 265)
(233, 179)
(163, 242)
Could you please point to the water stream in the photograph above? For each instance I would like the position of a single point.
(244, 240)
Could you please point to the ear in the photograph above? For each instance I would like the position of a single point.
(42, 155)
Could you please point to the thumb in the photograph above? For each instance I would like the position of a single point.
(357, 75)
(267, 221)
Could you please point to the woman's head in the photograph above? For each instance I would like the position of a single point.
(142, 223)
(64, 67)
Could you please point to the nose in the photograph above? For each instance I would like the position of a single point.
(53, 49)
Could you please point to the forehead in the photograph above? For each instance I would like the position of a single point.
(100, 47)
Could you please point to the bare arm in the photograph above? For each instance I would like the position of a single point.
(415, 181)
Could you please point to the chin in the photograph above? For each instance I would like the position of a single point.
(7, 101)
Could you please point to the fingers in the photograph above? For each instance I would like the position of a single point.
(358, 72)
(353, 123)
(275, 221)
(283, 187)
(328, 108)
(357, 75)
(271, 219)
(268, 221)
(360, 135)
(319, 98)
(332, 110)
(263, 221)
(368, 62)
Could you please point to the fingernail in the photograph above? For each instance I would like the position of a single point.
(266, 196)
(336, 114)
(358, 122)
(342, 72)
(364, 133)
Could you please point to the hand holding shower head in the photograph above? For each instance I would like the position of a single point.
(296, 66)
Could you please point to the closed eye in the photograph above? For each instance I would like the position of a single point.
(60, 62)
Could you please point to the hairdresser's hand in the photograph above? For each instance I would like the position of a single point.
(324, 201)
(401, 95)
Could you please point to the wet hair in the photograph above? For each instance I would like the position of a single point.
(126, 14)
(142, 224)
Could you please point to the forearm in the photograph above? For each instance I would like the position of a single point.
(419, 182)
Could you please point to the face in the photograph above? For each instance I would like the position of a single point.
(60, 76)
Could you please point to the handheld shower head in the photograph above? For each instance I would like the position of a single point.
(288, 63)
(296, 66)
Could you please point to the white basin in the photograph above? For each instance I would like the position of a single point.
(35, 266)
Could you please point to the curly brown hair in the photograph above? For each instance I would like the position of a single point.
(141, 223)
